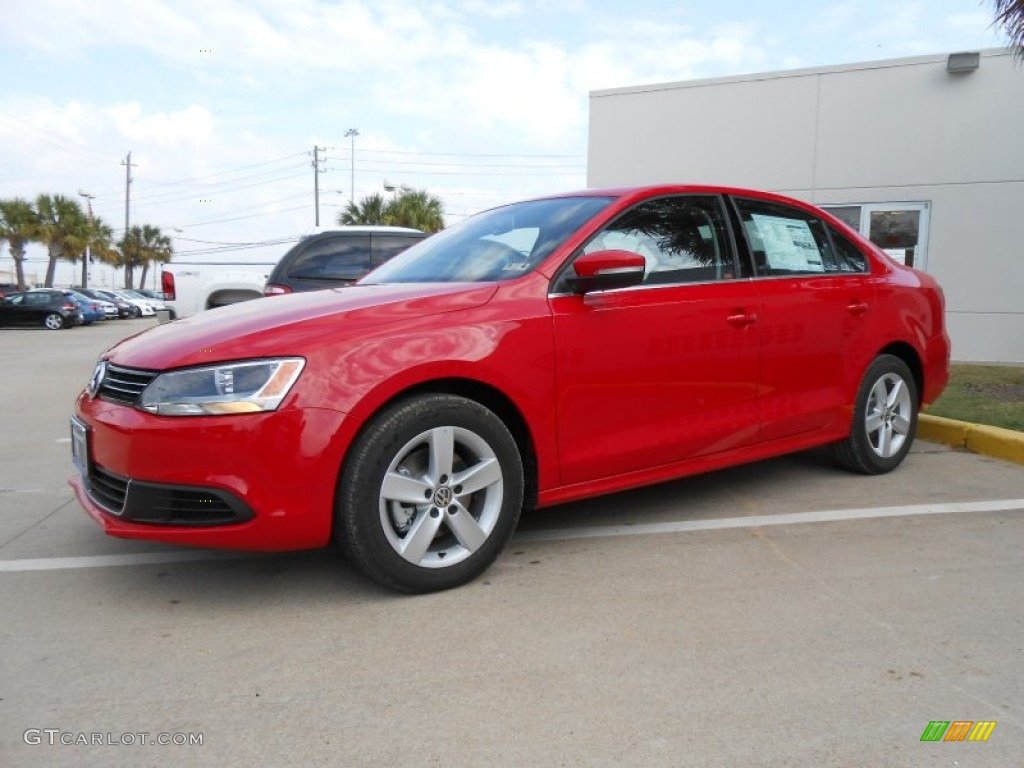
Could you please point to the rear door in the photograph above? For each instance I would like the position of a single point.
(817, 299)
(664, 371)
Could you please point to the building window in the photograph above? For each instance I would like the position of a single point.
(899, 229)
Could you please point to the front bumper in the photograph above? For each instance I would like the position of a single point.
(259, 482)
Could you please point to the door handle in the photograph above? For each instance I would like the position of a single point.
(741, 319)
(857, 307)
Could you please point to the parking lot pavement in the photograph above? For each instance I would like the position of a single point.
(782, 613)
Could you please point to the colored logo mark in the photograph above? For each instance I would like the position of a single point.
(958, 730)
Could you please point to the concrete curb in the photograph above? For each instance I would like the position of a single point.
(1001, 443)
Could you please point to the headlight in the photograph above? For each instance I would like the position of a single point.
(249, 387)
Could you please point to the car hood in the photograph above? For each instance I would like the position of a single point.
(286, 325)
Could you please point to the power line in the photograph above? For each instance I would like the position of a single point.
(250, 216)
(475, 173)
(54, 142)
(466, 154)
(246, 247)
(475, 165)
(157, 200)
(227, 171)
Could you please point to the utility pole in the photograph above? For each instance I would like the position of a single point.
(127, 163)
(351, 133)
(316, 180)
(87, 255)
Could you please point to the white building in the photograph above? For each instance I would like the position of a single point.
(925, 155)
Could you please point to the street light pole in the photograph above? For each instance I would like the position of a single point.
(86, 256)
(351, 134)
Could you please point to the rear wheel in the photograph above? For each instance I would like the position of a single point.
(884, 419)
(430, 494)
(53, 321)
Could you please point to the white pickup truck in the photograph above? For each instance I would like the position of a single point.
(193, 287)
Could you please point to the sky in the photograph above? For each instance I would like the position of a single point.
(221, 102)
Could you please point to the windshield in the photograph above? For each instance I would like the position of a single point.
(499, 244)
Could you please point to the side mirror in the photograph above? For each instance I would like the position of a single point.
(604, 270)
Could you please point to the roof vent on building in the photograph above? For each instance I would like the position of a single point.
(962, 63)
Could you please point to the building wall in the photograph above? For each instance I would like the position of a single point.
(903, 130)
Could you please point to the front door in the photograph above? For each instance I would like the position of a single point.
(664, 371)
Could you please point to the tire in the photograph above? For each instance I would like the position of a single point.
(53, 321)
(884, 419)
(404, 513)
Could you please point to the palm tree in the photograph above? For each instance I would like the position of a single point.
(1010, 16)
(416, 208)
(370, 210)
(156, 248)
(64, 229)
(101, 246)
(130, 249)
(18, 226)
(143, 246)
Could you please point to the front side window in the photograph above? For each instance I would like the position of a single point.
(683, 239)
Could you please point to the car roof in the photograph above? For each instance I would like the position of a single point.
(360, 229)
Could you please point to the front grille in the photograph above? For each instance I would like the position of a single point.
(124, 385)
(107, 489)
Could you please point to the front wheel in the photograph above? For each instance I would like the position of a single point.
(884, 419)
(430, 494)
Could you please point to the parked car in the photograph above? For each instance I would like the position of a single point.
(143, 306)
(109, 308)
(139, 295)
(122, 307)
(6, 289)
(47, 307)
(337, 257)
(191, 287)
(88, 306)
(535, 354)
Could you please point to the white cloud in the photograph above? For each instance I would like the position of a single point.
(192, 126)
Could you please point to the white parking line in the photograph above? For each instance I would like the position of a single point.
(555, 534)
(107, 561)
(759, 521)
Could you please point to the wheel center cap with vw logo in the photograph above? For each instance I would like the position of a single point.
(97, 379)
(443, 496)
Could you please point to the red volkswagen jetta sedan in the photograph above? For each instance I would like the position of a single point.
(533, 354)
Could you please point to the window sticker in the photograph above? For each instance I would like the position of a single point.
(788, 243)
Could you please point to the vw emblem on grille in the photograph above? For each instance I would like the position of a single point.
(443, 496)
(96, 381)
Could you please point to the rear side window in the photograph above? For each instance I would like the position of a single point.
(849, 258)
(336, 258)
(386, 246)
(785, 240)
